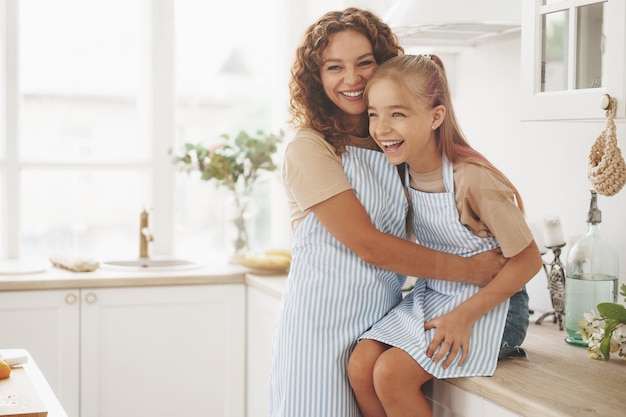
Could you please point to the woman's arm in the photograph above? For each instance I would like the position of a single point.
(345, 218)
(454, 329)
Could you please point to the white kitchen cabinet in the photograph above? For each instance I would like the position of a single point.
(493, 410)
(448, 400)
(46, 324)
(158, 351)
(262, 311)
(572, 55)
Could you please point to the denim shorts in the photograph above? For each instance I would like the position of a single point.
(517, 320)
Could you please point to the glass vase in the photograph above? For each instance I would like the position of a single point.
(240, 218)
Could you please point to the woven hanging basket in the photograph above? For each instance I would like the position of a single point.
(607, 170)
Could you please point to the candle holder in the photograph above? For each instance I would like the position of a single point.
(556, 286)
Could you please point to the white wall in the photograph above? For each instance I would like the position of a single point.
(547, 161)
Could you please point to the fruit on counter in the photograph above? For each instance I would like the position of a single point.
(5, 370)
(279, 252)
(269, 259)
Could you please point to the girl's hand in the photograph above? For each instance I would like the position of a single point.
(452, 335)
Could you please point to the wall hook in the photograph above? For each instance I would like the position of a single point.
(605, 100)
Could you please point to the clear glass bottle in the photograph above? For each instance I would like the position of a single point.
(591, 275)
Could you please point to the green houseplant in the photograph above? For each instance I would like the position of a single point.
(234, 163)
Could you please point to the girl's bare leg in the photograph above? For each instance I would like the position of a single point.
(360, 374)
(398, 380)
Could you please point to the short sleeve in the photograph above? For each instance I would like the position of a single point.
(489, 208)
(312, 173)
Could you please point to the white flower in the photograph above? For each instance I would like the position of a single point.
(605, 335)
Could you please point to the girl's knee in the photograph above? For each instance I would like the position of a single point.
(396, 369)
(362, 360)
(385, 372)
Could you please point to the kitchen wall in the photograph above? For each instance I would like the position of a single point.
(546, 160)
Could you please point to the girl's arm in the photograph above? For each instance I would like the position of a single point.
(346, 219)
(454, 329)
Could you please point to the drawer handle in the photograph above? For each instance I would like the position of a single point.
(70, 298)
(91, 298)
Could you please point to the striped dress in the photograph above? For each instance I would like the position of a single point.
(436, 224)
(332, 297)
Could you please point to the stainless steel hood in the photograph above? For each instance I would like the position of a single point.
(453, 23)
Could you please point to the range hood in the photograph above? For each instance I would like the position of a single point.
(453, 23)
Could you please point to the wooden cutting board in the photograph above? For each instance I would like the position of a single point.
(18, 396)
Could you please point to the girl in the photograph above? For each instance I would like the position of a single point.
(462, 204)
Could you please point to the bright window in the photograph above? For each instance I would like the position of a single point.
(100, 91)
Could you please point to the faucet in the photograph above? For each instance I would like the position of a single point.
(144, 234)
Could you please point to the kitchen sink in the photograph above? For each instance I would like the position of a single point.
(150, 264)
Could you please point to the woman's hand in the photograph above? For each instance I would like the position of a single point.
(485, 266)
(452, 335)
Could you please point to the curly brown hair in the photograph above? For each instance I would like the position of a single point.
(309, 105)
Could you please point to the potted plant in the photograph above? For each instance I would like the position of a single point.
(234, 163)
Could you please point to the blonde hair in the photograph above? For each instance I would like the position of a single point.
(422, 81)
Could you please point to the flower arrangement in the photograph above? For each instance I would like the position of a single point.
(234, 163)
(607, 334)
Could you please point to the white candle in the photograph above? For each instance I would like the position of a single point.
(553, 232)
(537, 230)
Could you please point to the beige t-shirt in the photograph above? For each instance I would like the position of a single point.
(485, 204)
(312, 171)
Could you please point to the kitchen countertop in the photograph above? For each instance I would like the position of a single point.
(38, 381)
(557, 379)
(58, 278)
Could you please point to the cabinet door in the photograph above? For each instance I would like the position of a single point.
(163, 351)
(493, 410)
(262, 311)
(46, 324)
(572, 55)
(450, 401)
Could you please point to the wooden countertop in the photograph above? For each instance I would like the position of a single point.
(57, 278)
(557, 380)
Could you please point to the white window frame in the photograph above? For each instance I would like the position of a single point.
(9, 86)
(156, 106)
(572, 104)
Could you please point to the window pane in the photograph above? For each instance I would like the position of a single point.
(88, 211)
(79, 65)
(226, 81)
(590, 46)
(554, 51)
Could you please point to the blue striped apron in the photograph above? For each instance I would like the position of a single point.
(436, 224)
(332, 297)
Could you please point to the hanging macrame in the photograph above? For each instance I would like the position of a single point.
(607, 170)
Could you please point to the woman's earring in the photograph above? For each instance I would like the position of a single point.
(433, 127)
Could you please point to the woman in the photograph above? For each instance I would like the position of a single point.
(348, 211)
